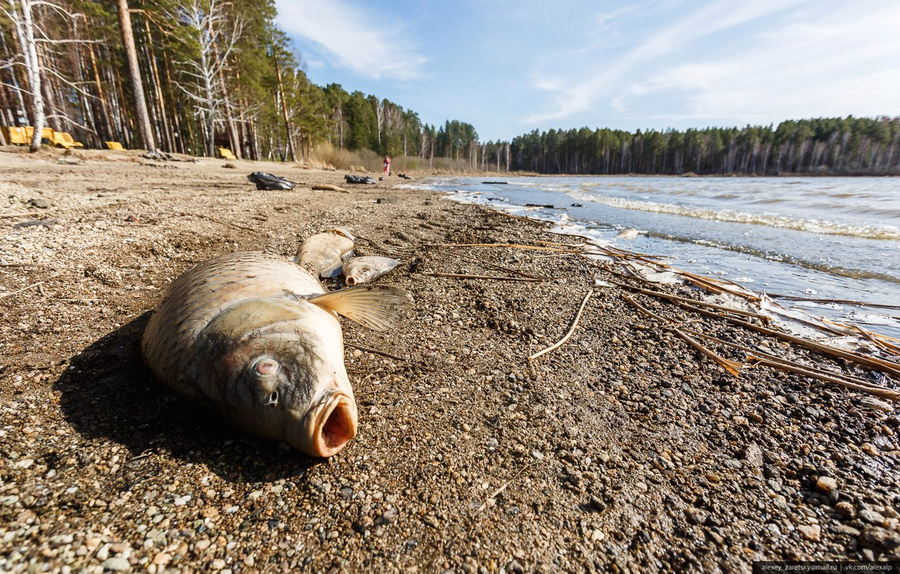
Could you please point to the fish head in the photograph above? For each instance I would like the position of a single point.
(276, 368)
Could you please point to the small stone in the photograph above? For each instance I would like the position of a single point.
(845, 509)
(514, 566)
(753, 455)
(432, 521)
(162, 558)
(739, 420)
(826, 483)
(870, 449)
(695, 515)
(812, 532)
(39, 203)
(116, 564)
(870, 516)
(713, 477)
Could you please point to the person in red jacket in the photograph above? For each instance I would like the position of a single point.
(387, 165)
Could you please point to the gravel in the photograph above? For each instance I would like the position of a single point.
(622, 449)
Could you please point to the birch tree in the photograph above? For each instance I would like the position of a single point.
(206, 28)
(21, 15)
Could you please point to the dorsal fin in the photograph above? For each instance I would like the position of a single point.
(373, 306)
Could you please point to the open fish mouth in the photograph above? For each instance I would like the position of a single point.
(334, 424)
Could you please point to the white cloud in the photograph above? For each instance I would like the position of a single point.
(611, 70)
(369, 43)
(846, 62)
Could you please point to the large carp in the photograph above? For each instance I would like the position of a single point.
(258, 339)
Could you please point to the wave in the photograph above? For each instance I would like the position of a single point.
(887, 232)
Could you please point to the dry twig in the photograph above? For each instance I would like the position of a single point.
(732, 367)
(571, 329)
(492, 277)
(508, 245)
(11, 293)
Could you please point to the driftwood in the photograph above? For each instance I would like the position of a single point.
(491, 277)
(675, 298)
(510, 246)
(329, 187)
(732, 367)
(571, 329)
(11, 293)
(501, 267)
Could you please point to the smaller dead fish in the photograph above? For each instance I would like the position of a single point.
(361, 270)
(323, 254)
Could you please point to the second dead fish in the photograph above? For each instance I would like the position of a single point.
(361, 270)
(323, 254)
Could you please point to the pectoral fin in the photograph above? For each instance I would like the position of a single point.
(375, 307)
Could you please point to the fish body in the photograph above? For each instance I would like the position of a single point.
(258, 339)
(323, 254)
(366, 269)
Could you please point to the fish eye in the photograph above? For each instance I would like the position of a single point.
(266, 367)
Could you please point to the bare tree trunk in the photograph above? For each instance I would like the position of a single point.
(140, 103)
(103, 106)
(25, 30)
(160, 101)
(284, 110)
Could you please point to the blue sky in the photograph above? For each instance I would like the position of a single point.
(511, 66)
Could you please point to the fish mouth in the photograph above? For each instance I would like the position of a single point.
(334, 422)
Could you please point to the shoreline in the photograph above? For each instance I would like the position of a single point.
(623, 448)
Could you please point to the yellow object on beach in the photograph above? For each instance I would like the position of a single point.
(226, 153)
(64, 139)
(114, 145)
(15, 135)
(22, 136)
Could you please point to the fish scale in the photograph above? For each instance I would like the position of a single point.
(204, 291)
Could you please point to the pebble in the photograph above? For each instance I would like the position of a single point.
(116, 564)
(695, 515)
(870, 516)
(826, 483)
(812, 532)
(845, 509)
(880, 539)
(870, 449)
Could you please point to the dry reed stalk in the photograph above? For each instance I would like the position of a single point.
(571, 329)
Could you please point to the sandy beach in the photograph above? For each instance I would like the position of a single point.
(622, 450)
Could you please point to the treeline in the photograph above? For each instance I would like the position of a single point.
(189, 76)
(208, 73)
(824, 146)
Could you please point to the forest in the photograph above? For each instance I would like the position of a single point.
(194, 76)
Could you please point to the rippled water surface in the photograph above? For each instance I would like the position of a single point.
(836, 238)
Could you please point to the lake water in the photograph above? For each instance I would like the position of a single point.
(827, 238)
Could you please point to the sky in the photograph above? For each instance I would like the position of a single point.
(512, 66)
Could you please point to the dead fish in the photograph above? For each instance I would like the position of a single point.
(366, 269)
(323, 253)
(258, 339)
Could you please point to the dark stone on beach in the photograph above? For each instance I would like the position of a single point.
(386, 200)
(359, 179)
(879, 539)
